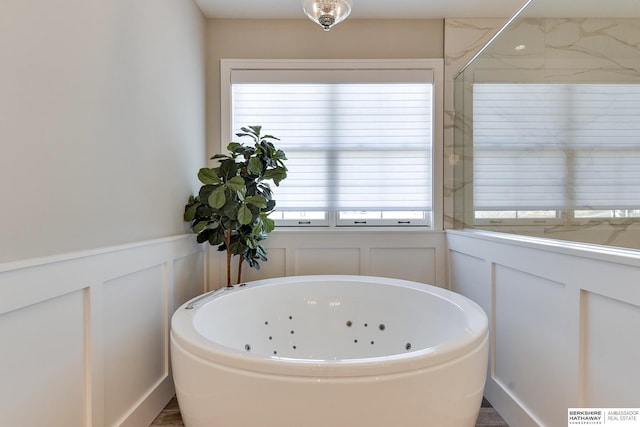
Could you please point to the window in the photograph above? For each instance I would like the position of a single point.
(549, 152)
(359, 138)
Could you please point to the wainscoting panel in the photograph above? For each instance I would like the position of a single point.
(524, 306)
(275, 267)
(417, 264)
(327, 261)
(474, 280)
(188, 274)
(409, 254)
(135, 359)
(608, 381)
(561, 317)
(84, 336)
(42, 367)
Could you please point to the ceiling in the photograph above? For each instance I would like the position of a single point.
(425, 9)
(364, 9)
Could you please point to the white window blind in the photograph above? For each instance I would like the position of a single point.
(356, 140)
(556, 146)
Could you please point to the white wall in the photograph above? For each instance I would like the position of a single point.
(564, 321)
(102, 131)
(101, 122)
(296, 39)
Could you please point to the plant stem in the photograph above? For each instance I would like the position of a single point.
(228, 243)
(240, 268)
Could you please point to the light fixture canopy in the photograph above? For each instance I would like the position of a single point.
(327, 13)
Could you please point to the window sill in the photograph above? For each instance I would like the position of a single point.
(361, 229)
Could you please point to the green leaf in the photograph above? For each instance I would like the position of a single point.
(251, 132)
(257, 201)
(190, 212)
(236, 184)
(255, 166)
(230, 212)
(232, 146)
(208, 176)
(237, 247)
(262, 252)
(199, 226)
(203, 237)
(264, 189)
(228, 168)
(205, 192)
(277, 175)
(251, 243)
(244, 215)
(216, 237)
(217, 199)
(268, 225)
(244, 151)
(271, 205)
(230, 223)
(279, 155)
(204, 211)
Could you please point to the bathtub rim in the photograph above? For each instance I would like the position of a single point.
(184, 333)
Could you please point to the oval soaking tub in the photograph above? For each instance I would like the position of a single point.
(329, 351)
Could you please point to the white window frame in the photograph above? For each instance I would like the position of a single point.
(227, 66)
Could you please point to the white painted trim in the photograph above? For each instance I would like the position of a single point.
(51, 259)
(585, 250)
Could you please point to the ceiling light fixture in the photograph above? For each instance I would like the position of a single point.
(327, 13)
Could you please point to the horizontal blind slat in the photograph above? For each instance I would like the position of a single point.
(350, 146)
(576, 143)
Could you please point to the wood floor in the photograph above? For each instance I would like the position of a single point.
(170, 416)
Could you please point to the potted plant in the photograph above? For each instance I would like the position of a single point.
(232, 207)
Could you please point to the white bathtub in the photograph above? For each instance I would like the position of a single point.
(329, 351)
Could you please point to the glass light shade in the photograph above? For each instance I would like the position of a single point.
(327, 13)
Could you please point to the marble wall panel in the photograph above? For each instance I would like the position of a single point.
(551, 50)
(463, 40)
